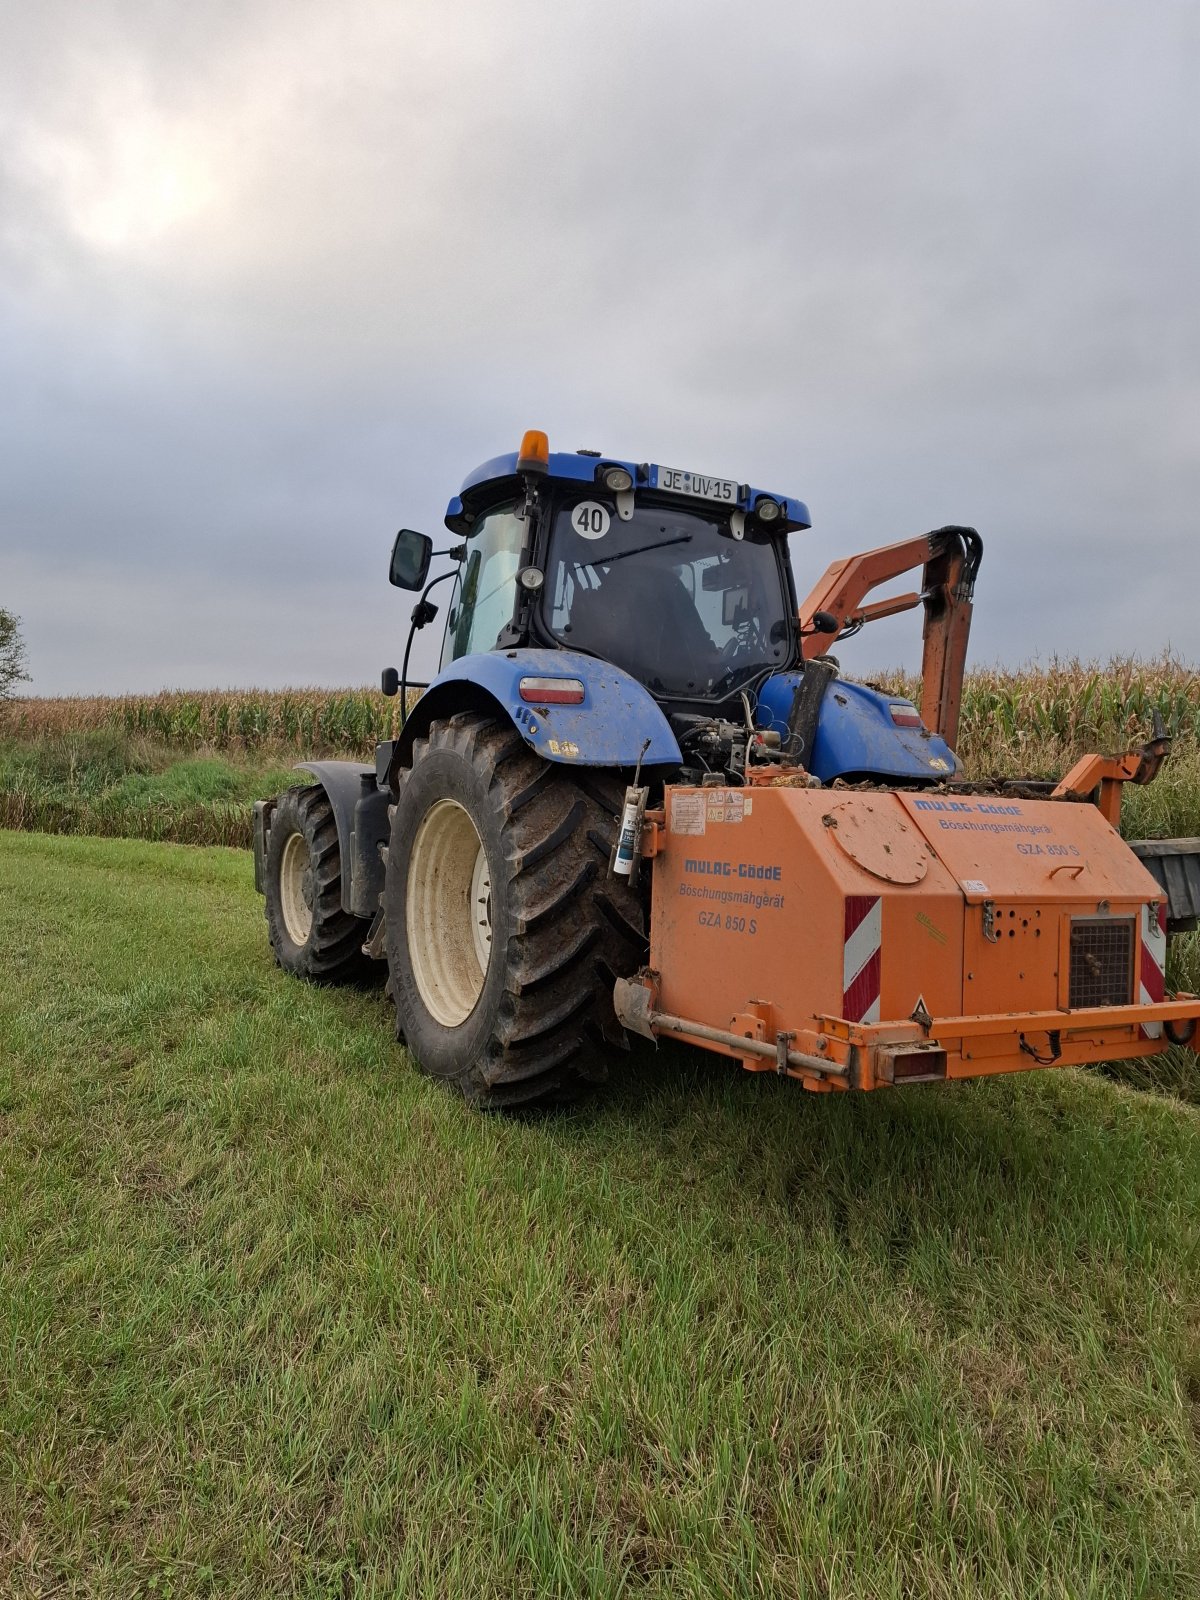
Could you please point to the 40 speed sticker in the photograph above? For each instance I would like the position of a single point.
(590, 519)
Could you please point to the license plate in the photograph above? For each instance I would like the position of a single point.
(675, 481)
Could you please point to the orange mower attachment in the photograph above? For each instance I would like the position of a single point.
(855, 939)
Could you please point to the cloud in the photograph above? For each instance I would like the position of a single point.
(273, 278)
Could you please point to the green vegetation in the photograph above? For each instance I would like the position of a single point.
(214, 752)
(315, 721)
(280, 1317)
(115, 784)
(1033, 719)
(1168, 808)
(12, 654)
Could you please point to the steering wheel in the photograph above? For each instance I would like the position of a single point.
(747, 639)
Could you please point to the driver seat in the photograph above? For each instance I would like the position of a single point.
(672, 634)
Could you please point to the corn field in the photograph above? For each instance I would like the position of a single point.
(1029, 720)
(315, 721)
(1036, 719)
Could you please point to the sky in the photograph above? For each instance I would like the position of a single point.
(275, 275)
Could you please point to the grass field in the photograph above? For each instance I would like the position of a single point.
(281, 1317)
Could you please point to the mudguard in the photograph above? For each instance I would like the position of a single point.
(856, 734)
(360, 809)
(617, 724)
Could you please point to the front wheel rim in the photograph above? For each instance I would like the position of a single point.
(448, 913)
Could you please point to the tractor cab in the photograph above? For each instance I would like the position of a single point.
(680, 580)
(682, 583)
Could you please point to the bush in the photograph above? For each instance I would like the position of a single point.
(12, 654)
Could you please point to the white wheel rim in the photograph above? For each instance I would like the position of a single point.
(481, 910)
(296, 888)
(449, 913)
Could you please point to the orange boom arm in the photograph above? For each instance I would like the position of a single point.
(950, 558)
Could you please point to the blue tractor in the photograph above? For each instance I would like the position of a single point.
(613, 627)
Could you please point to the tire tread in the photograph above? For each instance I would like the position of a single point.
(578, 928)
(334, 950)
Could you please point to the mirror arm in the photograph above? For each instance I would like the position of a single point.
(417, 612)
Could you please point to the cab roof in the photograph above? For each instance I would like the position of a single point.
(585, 467)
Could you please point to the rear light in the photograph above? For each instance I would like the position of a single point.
(904, 715)
(618, 479)
(552, 691)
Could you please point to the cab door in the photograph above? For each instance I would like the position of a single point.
(485, 591)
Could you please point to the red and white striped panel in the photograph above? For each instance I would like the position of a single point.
(1154, 962)
(861, 961)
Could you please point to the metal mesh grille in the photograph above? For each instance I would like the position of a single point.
(1101, 962)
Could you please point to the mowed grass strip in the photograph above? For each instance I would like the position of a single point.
(282, 1317)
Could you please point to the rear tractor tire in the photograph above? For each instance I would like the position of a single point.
(505, 931)
(311, 935)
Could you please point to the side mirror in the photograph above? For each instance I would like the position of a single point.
(825, 622)
(410, 559)
(390, 681)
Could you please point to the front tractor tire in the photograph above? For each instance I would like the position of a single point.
(310, 934)
(505, 932)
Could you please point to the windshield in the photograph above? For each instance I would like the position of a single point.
(670, 596)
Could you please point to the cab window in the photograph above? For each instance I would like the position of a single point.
(670, 594)
(486, 588)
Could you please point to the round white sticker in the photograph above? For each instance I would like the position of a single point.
(590, 519)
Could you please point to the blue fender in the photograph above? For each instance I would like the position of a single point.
(856, 735)
(360, 811)
(617, 724)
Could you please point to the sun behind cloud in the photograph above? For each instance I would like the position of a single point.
(134, 185)
(122, 168)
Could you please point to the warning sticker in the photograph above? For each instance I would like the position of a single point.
(687, 813)
(975, 886)
(727, 805)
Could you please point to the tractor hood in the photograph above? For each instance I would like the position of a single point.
(858, 734)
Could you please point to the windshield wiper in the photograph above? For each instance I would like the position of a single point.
(682, 538)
